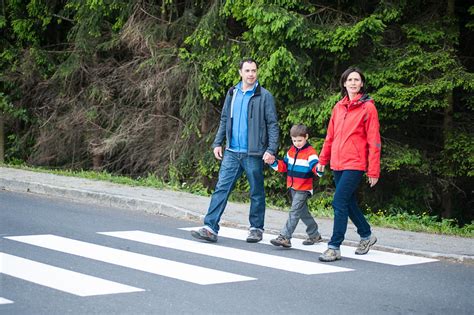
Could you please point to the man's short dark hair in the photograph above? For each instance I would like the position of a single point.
(298, 130)
(249, 60)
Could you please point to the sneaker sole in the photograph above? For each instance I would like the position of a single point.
(198, 236)
(312, 243)
(253, 240)
(368, 247)
(328, 260)
(279, 244)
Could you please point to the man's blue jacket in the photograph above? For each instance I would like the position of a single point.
(263, 131)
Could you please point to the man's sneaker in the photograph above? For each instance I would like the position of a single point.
(281, 241)
(365, 245)
(330, 255)
(312, 240)
(255, 236)
(204, 234)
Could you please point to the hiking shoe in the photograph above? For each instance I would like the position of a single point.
(365, 245)
(255, 236)
(312, 240)
(330, 255)
(281, 241)
(204, 234)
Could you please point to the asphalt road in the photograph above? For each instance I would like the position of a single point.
(54, 261)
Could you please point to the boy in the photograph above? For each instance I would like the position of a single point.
(300, 164)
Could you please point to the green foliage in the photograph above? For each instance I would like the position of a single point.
(397, 157)
(141, 85)
(421, 223)
(459, 150)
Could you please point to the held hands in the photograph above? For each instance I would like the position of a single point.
(268, 158)
(320, 168)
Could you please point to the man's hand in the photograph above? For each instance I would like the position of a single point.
(373, 181)
(268, 158)
(218, 153)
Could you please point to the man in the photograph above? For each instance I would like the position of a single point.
(250, 126)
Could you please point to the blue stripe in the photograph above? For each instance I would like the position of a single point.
(300, 169)
(300, 174)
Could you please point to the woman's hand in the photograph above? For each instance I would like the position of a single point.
(373, 181)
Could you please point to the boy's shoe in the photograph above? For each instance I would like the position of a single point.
(281, 241)
(365, 245)
(204, 234)
(312, 240)
(255, 236)
(330, 255)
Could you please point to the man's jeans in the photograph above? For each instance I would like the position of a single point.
(345, 205)
(232, 167)
(299, 210)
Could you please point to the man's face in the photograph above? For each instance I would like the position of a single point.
(248, 73)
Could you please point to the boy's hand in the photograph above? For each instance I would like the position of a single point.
(320, 168)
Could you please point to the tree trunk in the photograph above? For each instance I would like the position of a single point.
(2, 140)
(447, 191)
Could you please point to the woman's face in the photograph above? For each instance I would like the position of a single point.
(353, 83)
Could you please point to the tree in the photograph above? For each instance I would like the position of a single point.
(137, 87)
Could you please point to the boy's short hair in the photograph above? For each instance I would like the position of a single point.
(298, 130)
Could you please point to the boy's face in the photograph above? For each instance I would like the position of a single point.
(299, 141)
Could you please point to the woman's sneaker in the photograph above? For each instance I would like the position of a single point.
(313, 240)
(281, 241)
(365, 245)
(330, 255)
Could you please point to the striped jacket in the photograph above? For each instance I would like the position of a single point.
(300, 164)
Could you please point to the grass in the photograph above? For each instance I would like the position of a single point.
(321, 207)
(421, 223)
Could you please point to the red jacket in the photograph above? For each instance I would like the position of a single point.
(353, 137)
(300, 164)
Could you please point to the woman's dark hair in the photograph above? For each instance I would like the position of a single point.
(298, 130)
(344, 76)
(249, 60)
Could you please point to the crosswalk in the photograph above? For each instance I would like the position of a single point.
(346, 251)
(84, 285)
(53, 277)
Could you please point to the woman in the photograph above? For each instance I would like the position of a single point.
(352, 146)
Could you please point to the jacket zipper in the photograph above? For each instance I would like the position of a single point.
(342, 129)
(293, 166)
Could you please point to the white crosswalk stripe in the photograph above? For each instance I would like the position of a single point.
(245, 256)
(85, 285)
(163, 267)
(58, 278)
(5, 301)
(346, 251)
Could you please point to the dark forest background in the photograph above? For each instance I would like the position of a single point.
(136, 87)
